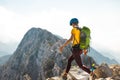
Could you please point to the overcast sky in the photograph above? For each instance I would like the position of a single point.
(102, 16)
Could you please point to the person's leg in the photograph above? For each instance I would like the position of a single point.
(78, 60)
(71, 58)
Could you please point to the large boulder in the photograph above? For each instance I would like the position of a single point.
(116, 72)
(102, 71)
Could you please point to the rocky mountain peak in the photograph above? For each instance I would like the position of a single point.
(37, 36)
(35, 56)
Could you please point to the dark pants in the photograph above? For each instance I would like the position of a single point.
(76, 56)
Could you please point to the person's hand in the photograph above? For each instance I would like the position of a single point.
(85, 51)
(61, 49)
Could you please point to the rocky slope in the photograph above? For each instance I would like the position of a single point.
(103, 72)
(37, 57)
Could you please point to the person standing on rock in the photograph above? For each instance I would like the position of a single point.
(76, 51)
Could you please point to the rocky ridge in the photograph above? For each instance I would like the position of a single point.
(103, 72)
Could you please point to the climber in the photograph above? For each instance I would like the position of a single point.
(76, 51)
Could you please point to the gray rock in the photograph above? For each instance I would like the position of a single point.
(88, 61)
(103, 71)
(116, 72)
(26, 77)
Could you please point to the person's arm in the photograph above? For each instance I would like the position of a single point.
(66, 43)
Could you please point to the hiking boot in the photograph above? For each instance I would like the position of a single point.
(93, 76)
(64, 76)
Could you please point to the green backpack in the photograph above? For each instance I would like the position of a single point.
(85, 38)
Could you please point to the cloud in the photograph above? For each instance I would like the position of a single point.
(13, 26)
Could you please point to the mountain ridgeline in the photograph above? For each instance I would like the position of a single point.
(38, 56)
(4, 59)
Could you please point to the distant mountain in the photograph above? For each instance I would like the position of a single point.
(99, 58)
(4, 59)
(7, 48)
(3, 53)
(109, 53)
(112, 55)
(38, 56)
